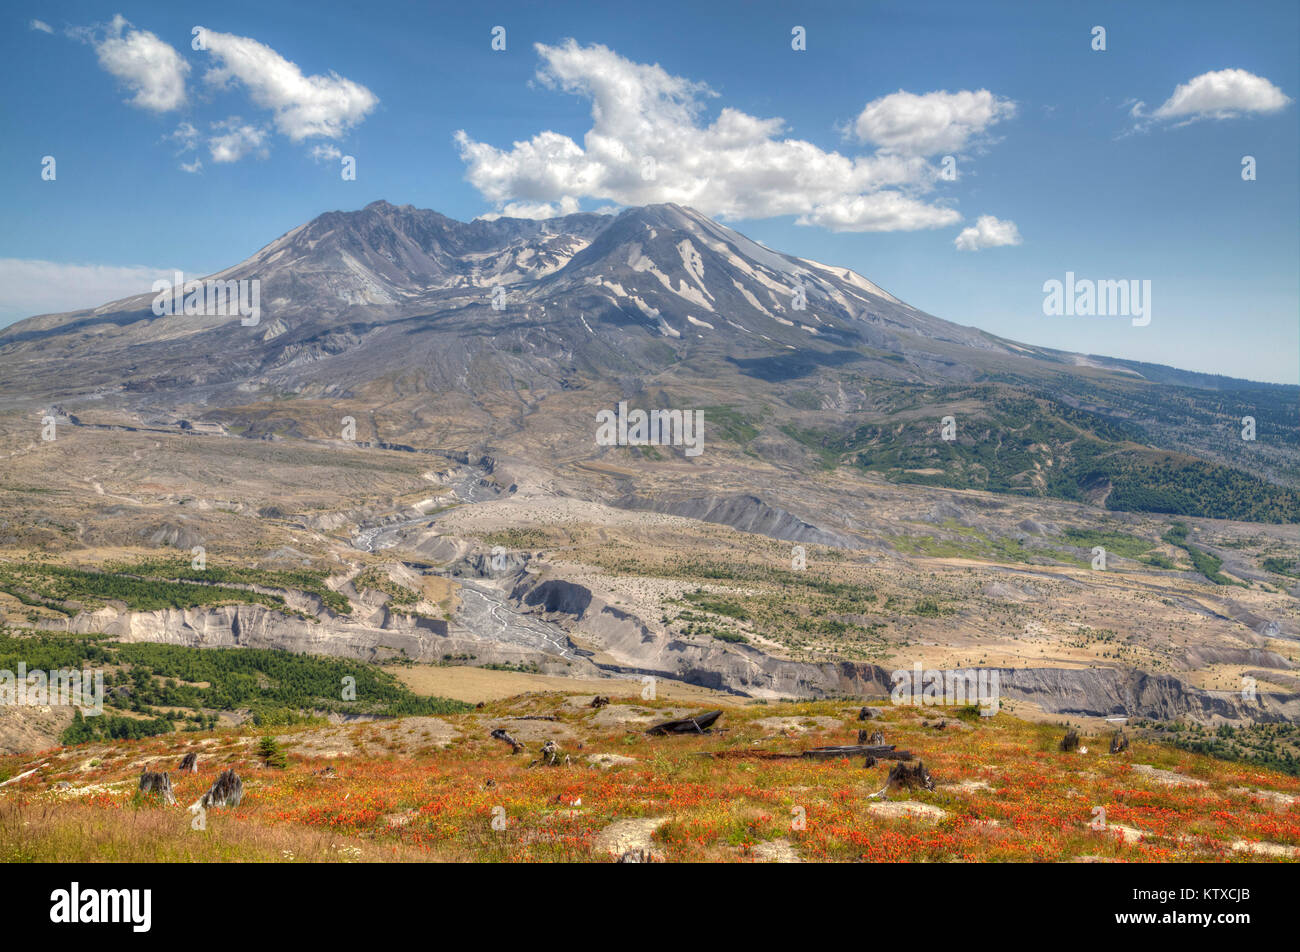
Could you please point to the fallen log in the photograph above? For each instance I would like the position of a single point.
(21, 775)
(501, 735)
(879, 751)
(699, 724)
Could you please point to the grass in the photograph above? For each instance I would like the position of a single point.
(971, 543)
(1205, 563)
(1007, 793)
(1115, 543)
(1281, 566)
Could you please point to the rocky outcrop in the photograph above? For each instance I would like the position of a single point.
(254, 626)
(557, 595)
(1103, 692)
(746, 513)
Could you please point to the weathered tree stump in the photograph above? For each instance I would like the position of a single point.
(877, 739)
(910, 777)
(501, 735)
(868, 713)
(226, 791)
(552, 755)
(157, 783)
(1070, 741)
(1119, 742)
(189, 763)
(640, 856)
(599, 701)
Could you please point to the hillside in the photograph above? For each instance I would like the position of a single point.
(430, 788)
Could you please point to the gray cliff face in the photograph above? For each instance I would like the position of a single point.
(1094, 692)
(383, 637)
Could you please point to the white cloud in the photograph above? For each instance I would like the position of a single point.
(187, 138)
(41, 25)
(186, 135)
(236, 139)
(648, 142)
(534, 210)
(988, 232)
(29, 286)
(879, 211)
(1223, 94)
(325, 153)
(1219, 94)
(303, 106)
(932, 123)
(146, 65)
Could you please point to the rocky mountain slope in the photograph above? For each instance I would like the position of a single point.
(393, 306)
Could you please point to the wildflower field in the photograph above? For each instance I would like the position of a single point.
(442, 789)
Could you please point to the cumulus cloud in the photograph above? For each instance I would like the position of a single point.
(30, 286)
(236, 139)
(192, 167)
(1219, 94)
(41, 25)
(650, 142)
(302, 106)
(931, 123)
(534, 210)
(988, 232)
(150, 68)
(879, 211)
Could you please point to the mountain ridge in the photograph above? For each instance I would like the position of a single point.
(501, 318)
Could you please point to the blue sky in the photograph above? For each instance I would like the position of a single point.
(1115, 164)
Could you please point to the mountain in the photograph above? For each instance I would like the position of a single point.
(463, 332)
